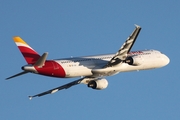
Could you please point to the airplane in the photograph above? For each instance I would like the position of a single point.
(92, 70)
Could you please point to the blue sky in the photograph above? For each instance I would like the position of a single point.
(75, 28)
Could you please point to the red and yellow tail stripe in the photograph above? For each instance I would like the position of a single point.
(30, 55)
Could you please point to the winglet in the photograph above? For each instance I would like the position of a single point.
(41, 60)
(137, 26)
(30, 97)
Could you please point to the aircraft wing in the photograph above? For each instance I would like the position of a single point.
(84, 80)
(66, 86)
(125, 48)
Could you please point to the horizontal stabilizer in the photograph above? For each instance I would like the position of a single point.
(21, 73)
(41, 60)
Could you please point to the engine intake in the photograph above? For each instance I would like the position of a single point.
(133, 61)
(98, 84)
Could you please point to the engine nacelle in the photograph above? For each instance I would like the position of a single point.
(98, 84)
(133, 61)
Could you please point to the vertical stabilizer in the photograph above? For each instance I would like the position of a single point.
(30, 55)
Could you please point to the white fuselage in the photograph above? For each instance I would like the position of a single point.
(91, 69)
(92, 65)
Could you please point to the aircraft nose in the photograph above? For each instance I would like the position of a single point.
(166, 60)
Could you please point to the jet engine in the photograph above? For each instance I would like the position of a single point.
(98, 84)
(133, 61)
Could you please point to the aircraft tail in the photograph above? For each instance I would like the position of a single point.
(30, 55)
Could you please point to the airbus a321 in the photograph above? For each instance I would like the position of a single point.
(92, 70)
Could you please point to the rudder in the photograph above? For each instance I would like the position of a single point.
(30, 55)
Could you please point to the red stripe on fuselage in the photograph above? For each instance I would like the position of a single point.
(52, 69)
(30, 55)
